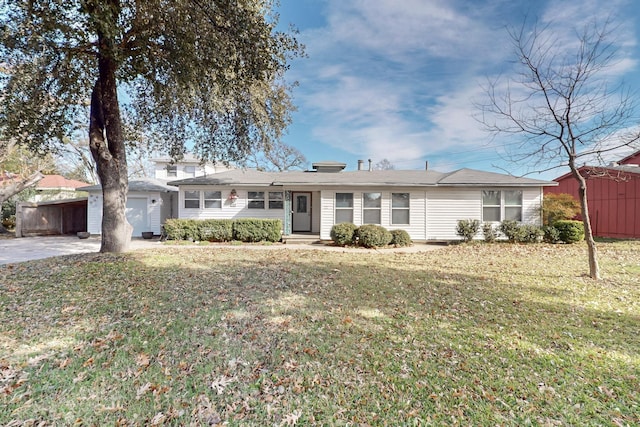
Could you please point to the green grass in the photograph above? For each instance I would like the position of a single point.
(465, 335)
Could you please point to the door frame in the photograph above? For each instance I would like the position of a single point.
(309, 210)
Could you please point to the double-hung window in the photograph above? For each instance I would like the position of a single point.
(344, 207)
(192, 199)
(189, 171)
(256, 200)
(172, 171)
(400, 208)
(371, 204)
(500, 205)
(276, 200)
(212, 199)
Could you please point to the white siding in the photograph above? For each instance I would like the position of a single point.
(445, 206)
(94, 213)
(230, 209)
(531, 202)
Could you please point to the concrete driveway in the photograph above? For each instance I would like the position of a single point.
(30, 248)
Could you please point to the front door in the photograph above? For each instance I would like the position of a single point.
(301, 216)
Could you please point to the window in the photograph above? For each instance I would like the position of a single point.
(172, 170)
(500, 205)
(276, 199)
(344, 207)
(190, 171)
(371, 204)
(256, 200)
(192, 199)
(212, 199)
(400, 208)
(513, 205)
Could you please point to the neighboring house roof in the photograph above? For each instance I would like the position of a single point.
(611, 170)
(58, 182)
(633, 158)
(362, 178)
(140, 184)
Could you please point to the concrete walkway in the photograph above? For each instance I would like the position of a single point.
(14, 250)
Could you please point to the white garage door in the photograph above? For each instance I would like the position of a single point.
(137, 215)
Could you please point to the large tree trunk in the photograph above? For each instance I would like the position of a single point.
(107, 148)
(594, 268)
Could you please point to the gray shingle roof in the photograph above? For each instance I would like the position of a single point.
(385, 178)
(139, 184)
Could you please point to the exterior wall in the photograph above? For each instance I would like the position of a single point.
(155, 203)
(433, 214)
(614, 204)
(160, 170)
(230, 209)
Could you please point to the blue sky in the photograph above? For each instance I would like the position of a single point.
(398, 79)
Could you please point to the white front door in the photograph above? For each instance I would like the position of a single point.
(137, 215)
(301, 220)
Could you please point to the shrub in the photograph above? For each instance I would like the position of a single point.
(181, 229)
(216, 230)
(468, 228)
(490, 232)
(373, 236)
(530, 234)
(511, 230)
(570, 231)
(556, 207)
(400, 238)
(550, 234)
(9, 222)
(344, 233)
(257, 230)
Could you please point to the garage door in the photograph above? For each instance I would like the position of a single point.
(137, 215)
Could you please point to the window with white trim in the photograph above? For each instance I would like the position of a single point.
(500, 205)
(276, 200)
(400, 208)
(192, 199)
(344, 207)
(212, 199)
(371, 206)
(172, 170)
(255, 200)
(190, 171)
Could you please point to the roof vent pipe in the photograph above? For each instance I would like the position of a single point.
(370, 166)
(360, 164)
(426, 165)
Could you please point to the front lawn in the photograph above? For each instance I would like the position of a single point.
(467, 335)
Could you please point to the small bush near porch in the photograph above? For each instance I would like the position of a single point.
(465, 335)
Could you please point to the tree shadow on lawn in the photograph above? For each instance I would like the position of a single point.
(300, 322)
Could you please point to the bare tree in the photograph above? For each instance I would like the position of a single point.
(384, 165)
(278, 157)
(562, 108)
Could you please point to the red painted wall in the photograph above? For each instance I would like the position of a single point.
(614, 204)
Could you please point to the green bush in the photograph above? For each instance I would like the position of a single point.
(257, 230)
(468, 228)
(551, 234)
(570, 231)
(373, 236)
(181, 229)
(400, 238)
(216, 230)
(511, 230)
(530, 234)
(490, 232)
(344, 233)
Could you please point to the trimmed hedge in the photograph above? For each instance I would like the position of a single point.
(344, 233)
(224, 230)
(551, 234)
(373, 236)
(400, 238)
(257, 230)
(569, 231)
